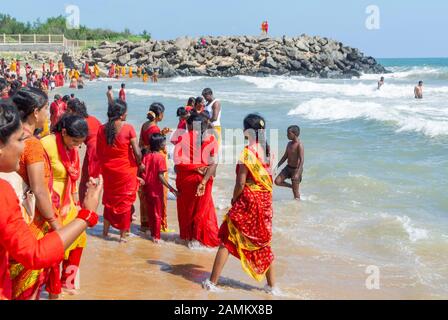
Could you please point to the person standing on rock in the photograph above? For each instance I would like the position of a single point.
(213, 107)
(418, 90)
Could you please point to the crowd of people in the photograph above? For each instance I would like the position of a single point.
(49, 197)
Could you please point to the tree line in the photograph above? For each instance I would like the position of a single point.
(57, 25)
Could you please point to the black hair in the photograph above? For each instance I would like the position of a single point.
(294, 129)
(9, 120)
(257, 125)
(420, 82)
(78, 107)
(74, 125)
(207, 91)
(181, 112)
(198, 117)
(156, 109)
(66, 98)
(156, 142)
(199, 100)
(29, 99)
(123, 85)
(191, 101)
(109, 87)
(115, 111)
(72, 95)
(3, 84)
(15, 86)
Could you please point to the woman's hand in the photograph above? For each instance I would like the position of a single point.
(165, 131)
(94, 187)
(201, 189)
(141, 181)
(202, 170)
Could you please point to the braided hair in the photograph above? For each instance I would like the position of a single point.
(115, 111)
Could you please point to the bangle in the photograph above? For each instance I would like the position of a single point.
(88, 216)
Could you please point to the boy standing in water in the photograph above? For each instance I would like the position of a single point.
(295, 155)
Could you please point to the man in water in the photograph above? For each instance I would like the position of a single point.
(213, 107)
(110, 95)
(418, 90)
(380, 83)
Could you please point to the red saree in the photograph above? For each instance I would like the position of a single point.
(196, 215)
(247, 228)
(119, 170)
(91, 165)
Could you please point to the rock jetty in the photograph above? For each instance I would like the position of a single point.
(240, 55)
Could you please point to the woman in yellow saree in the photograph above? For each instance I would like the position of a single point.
(62, 150)
(246, 232)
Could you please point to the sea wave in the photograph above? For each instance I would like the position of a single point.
(415, 73)
(414, 233)
(344, 87)
(429, 121)
(229, 97)
(186, 79)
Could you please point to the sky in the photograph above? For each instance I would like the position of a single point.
(405, 28)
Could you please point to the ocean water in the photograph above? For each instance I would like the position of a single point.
(375, 175)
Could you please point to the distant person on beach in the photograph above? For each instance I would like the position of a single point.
(110, 95)
(246, 232)
(122, 93)
(155, 76)
(155, 181)
(295, 155)
(120, 158)
(190, 104)
(418, 90)
(380, 83)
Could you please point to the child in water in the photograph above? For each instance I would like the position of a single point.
(154, 182)
(295, 155)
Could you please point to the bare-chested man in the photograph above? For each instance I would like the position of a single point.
(110, 95)
(418, 90)
(380, 83)
(295, 154)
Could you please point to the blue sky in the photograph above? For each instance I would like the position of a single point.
(408, 28)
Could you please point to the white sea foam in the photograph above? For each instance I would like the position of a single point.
(184, 94)
(186, 79)
(351, 88)
(429, 121)
(414, 233)
(415, 73)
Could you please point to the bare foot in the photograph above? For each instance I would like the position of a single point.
(52, 296)
(71, 292)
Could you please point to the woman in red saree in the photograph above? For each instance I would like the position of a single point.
(16, 239)
(246, 232)
(120, 158)
(195, 167)
(150, 127)
(91, 165)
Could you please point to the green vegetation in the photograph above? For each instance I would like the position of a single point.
(57, 25)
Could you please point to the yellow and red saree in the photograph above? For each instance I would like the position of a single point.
(247, 228)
